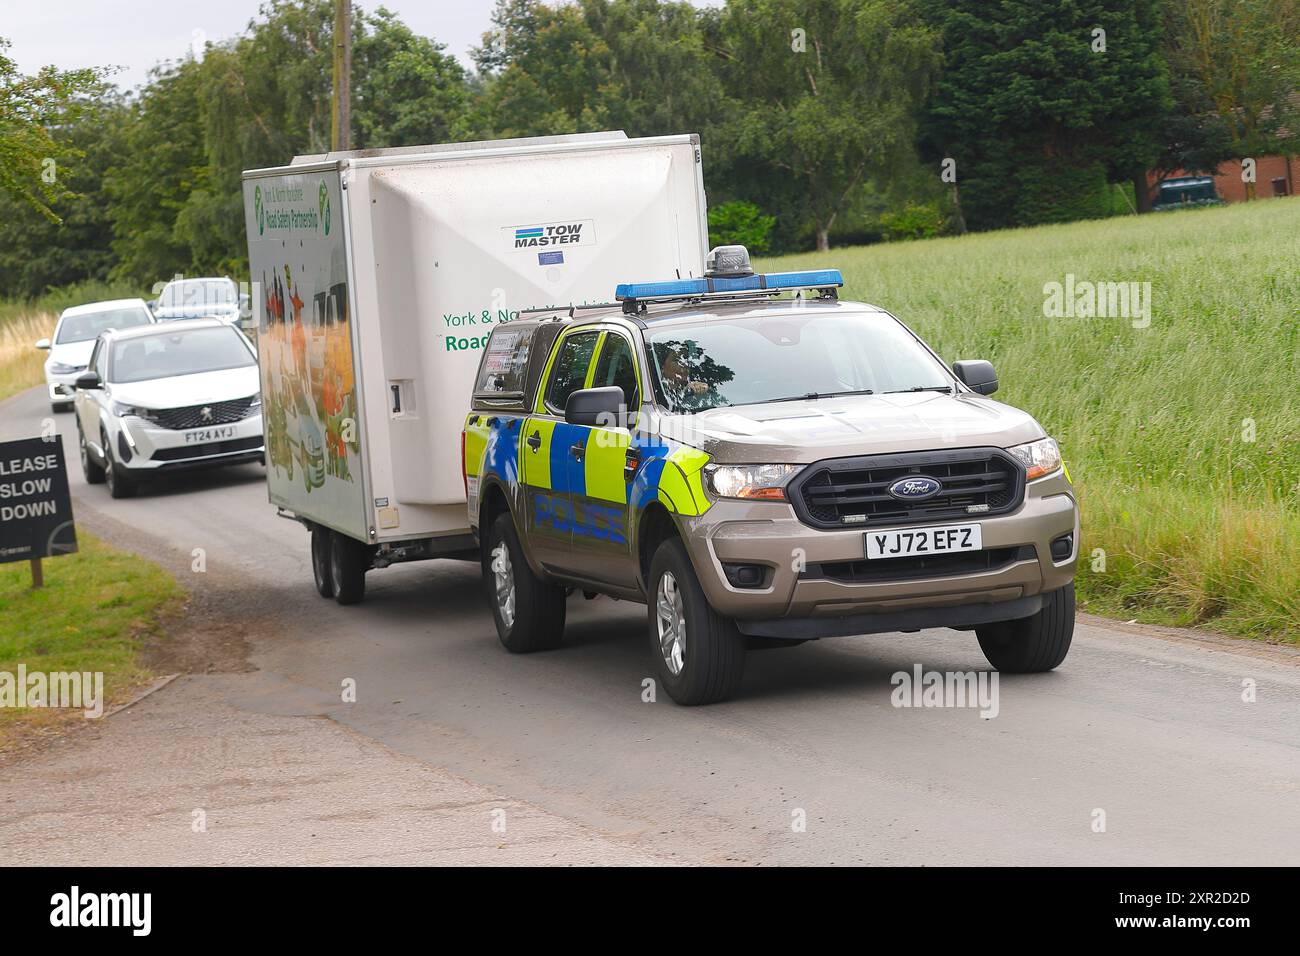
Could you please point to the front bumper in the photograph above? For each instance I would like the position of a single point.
(805, 576)
(155, 449)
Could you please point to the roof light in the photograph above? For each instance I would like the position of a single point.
(727, 271)
(730, 261)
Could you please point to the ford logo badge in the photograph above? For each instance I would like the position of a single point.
(915, 488)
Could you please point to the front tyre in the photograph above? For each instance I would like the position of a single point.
(1032, 644)
(698, 653)
(349, 561)
(320, 560)
(116, 477)
(93, 471)
(529, 612)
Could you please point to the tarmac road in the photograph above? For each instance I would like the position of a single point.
(1145, 726)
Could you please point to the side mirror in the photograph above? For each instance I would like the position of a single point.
(88, 379)
(43, 344)
(603, 407)
(153, 305)
(977, 375)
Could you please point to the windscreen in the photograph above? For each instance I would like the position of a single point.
(180, 353)
(752, 359)
(84, 327)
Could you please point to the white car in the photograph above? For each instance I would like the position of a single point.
(168, 397)
(74, 337)
(216, 298)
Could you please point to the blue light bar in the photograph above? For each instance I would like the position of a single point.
(686, 288)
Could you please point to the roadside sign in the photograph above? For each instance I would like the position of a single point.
(35, 505)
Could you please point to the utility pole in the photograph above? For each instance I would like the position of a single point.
(341, 100)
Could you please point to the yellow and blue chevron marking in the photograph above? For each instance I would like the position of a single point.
(666, 471)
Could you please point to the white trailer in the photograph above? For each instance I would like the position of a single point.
(377, 277)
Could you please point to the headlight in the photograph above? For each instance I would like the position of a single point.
(60, 368)
(255, 401)
(762, 482)
(132, 411)
(1040, 457)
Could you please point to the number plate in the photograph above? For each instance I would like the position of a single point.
(907, 542)
(201, 436)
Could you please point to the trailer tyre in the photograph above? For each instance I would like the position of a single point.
(529, 612)
(698, 653)
(1032, 644)
(320, 560)
(349, 560)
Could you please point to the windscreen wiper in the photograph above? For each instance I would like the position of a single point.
(923, 388)
(811, 396)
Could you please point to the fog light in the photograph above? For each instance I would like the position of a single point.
(1063, 547)
(123, 449)
(746, 575)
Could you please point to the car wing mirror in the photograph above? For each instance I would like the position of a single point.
(43, 344)
(977, 375)
(88, 379)
(603, 407)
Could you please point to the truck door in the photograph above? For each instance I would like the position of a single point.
(546, 447)
(600, 477)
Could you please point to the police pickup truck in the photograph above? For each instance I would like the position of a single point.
(761, 469)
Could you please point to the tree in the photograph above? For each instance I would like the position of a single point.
(828, 92)
(637, 65)
(160, 165)
(30, 108)
(37, 251)
(1239, 62)
(1042, 102)
(407, 91)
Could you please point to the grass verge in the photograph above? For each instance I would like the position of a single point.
(97, 607)
(1183, 435)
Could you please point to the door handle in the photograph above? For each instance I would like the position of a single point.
(577, 451)
(535, 441)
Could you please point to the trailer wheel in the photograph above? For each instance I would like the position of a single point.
(529, 612)
(349, 560)
(320, 560)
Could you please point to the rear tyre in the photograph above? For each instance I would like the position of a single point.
(93, 471)
(529, 612)
(698, 653)
(1032, 644)
(119, 481)
(349, 561)
(320, 560)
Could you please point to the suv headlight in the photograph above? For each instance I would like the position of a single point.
(761, 482)
(63, 368)
(1040, 457)
(132, 411)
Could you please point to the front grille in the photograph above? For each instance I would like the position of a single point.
(854, 492)
(919, 566)
(192, 416)
(211, 448)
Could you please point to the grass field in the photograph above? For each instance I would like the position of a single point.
(1183, 437)
(96, 607)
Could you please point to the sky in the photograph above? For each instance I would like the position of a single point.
(135, 34)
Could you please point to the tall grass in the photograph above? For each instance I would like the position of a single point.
(20, 361)
(1183, 437)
